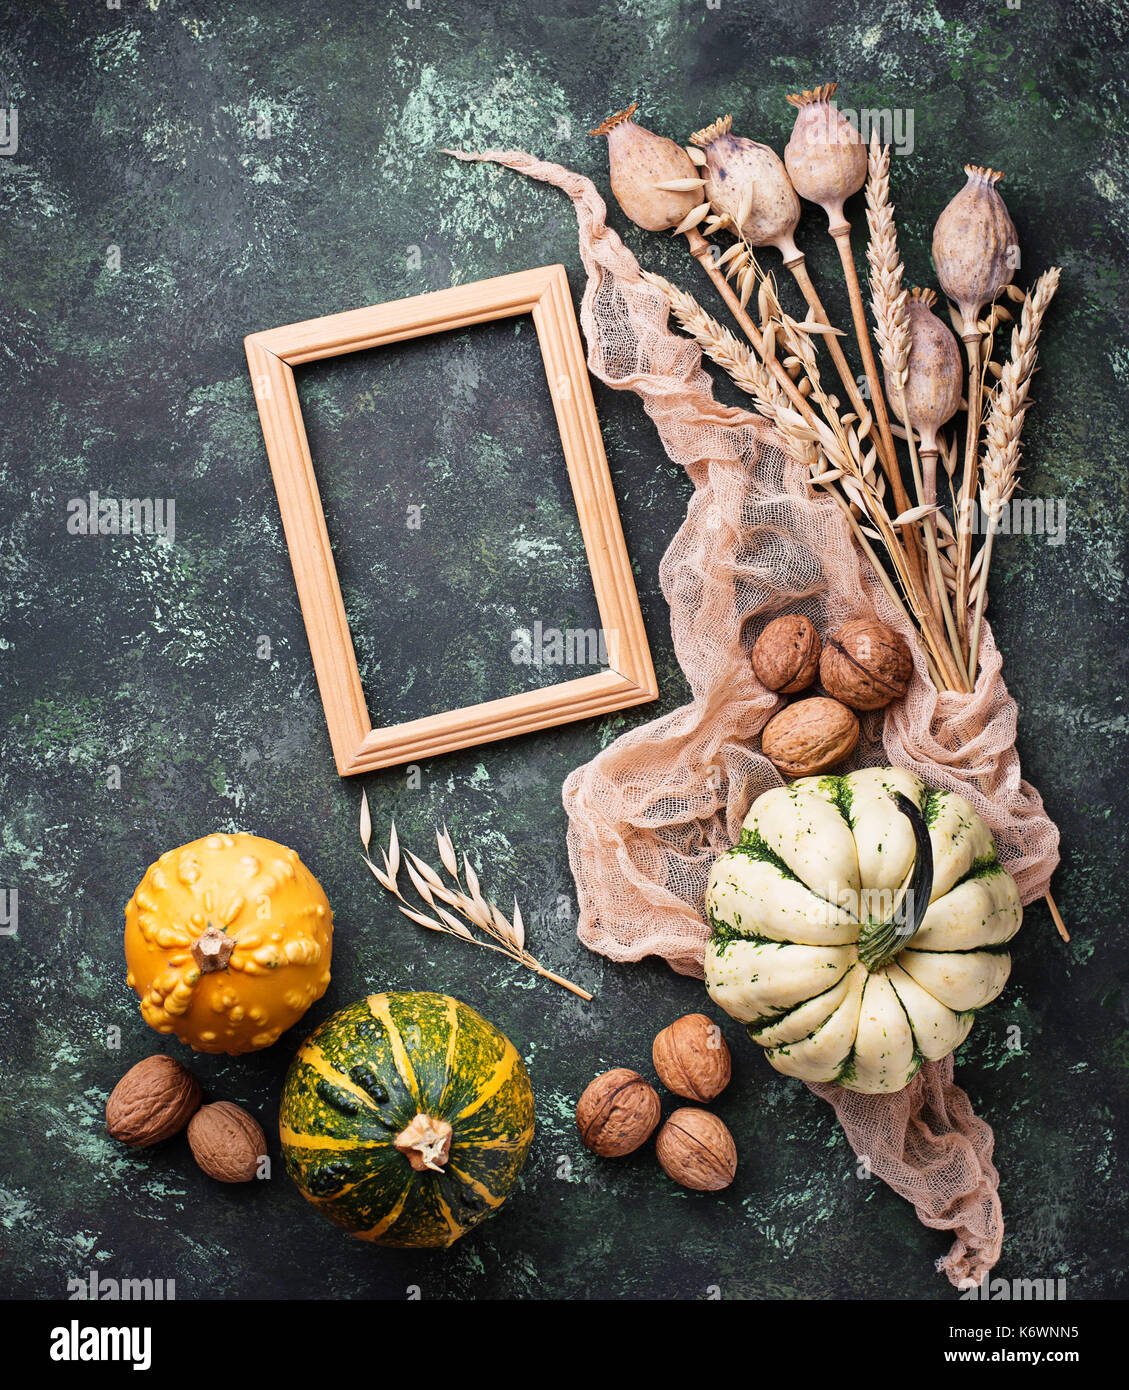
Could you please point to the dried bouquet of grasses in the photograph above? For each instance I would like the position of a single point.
(921, 545)
(463, 895)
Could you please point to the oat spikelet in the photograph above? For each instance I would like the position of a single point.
(506, 937)
(888, 296)
(1010, 400)
(721, 346)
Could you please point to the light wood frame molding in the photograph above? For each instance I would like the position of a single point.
(272, 357)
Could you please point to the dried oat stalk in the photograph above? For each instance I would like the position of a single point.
(721, 346)
(506, 935)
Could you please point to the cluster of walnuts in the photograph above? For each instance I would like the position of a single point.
(619, 1111)
(158, 1097)
(863, 665)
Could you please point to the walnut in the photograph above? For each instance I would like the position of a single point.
(153, 1101)
(810, 736)
(692, 1058)
(786, 654)
(617, 1113)
(226, 1142)
(697, 1150)
(865, 664)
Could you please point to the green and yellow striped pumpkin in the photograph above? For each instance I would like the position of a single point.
(406, 1119)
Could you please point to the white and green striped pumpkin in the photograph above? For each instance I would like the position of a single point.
(857, 925)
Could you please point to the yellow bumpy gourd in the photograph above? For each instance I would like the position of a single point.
(228, 942)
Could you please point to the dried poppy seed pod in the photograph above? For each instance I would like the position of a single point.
(825, 156)
(935, 373)
(639, 160)
(749, 183)
(934, 377)
(974, 246)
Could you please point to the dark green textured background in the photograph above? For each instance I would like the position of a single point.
(138, 130)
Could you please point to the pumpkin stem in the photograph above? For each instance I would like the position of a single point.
(880, 942)
(212, 950)
(425, 1143)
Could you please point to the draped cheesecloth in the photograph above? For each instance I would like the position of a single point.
(649, 814)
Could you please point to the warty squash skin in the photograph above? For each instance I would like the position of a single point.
(375, 1072)
(228, 941)
(787, 904)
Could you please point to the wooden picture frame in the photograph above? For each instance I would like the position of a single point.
(272, 357)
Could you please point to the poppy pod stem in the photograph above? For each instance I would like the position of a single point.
(952, 668)
(938, 592)
(970, 480)
(838, 356)
(981, 594)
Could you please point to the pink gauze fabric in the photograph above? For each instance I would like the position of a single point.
(650, 813)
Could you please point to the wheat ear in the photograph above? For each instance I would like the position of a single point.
(888, 296)
(1007, 409)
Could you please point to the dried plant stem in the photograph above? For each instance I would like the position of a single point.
(939, 589)
(973, 342)
(879, 569)
(981, 593)
(929, 622)
(925, 482)
(892, 330)
(1056, 916)
(838, 356)
(950, 669)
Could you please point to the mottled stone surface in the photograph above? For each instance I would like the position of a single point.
(254, 164)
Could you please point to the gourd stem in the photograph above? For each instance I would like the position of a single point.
(212, 950)
(425, 1143)
(880, 942)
